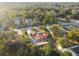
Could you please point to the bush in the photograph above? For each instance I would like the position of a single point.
(67, 53)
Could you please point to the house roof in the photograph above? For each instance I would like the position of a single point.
(75, 50)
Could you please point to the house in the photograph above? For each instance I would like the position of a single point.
(40, 36)
(28, 21)
(33, 22)
(73, 23)
(37, 36)
(19, 32)
(56, 20)
(17, 20)
(74, 50)
(65, 24)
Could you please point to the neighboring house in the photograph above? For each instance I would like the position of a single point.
(65, 24)
(74, 50)
(19, 31)
(3, 25)
(73, 23)
(56, 20)
(28, 21)
(17, 20)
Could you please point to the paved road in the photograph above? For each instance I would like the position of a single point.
(52, 41)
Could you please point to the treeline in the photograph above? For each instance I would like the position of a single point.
(39, 12)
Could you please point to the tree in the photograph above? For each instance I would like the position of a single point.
(56, 30)
(37, 12)
(68, 18)
(54, 52)
(73, 35)
(61, 12)
(67, 53)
